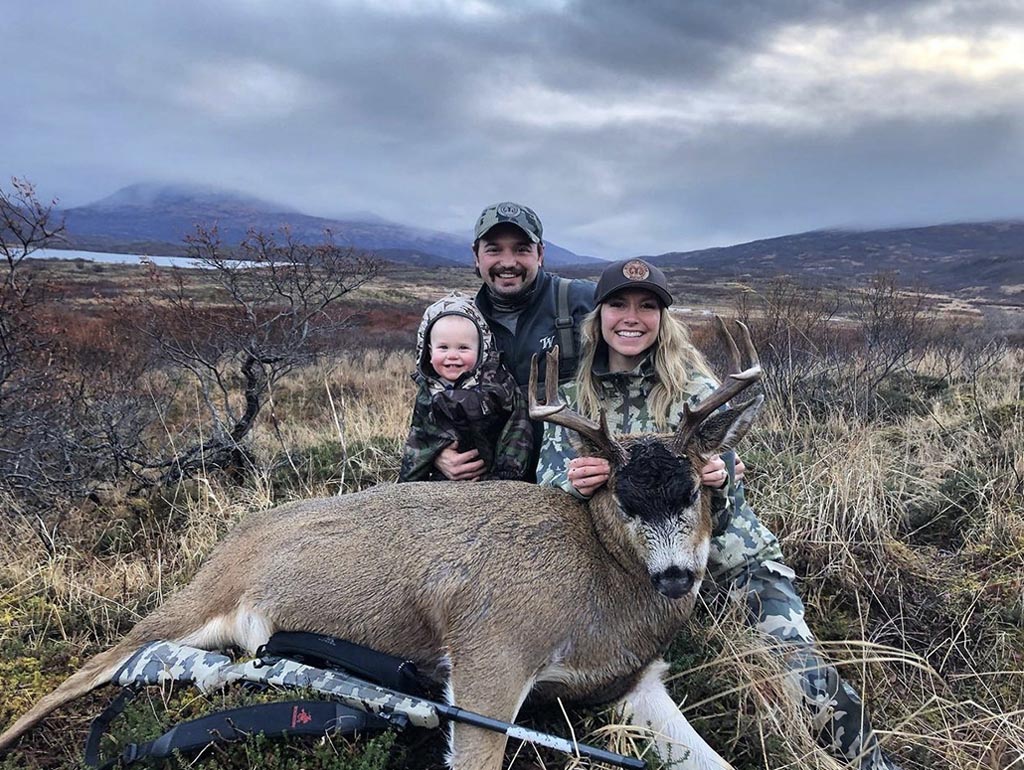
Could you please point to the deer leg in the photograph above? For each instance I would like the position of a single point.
(496, 690)
(649, 705)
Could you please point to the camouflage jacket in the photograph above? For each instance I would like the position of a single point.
(483, 410)
(625, 395)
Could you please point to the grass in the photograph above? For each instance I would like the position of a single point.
(907, 532)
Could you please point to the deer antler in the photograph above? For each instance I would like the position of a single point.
(554, 410)
(735, 383)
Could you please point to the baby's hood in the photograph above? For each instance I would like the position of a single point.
(459, 304)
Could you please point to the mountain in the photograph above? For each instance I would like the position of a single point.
(155, 218)
(952, 257)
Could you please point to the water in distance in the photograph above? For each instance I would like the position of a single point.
(122, 259)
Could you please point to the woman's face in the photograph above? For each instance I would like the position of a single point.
(630, 321)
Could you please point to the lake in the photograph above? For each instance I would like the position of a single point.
(103, 256)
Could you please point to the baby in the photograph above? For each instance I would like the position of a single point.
(465, 396)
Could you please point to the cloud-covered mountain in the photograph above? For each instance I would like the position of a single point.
(155, 218)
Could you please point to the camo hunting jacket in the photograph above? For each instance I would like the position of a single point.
(624, 395)
(740, 540)
(484, 409)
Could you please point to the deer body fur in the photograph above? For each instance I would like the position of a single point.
(500, 588)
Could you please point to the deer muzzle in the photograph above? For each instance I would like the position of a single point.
(674, 582)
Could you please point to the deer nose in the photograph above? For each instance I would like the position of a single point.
(673, 582)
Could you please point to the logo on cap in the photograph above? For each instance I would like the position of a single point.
(509, 210)
(635, 270)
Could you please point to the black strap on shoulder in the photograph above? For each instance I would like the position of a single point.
(303, 717)
(329, 652)
(564, 321)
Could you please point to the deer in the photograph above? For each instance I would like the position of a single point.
(500, 590)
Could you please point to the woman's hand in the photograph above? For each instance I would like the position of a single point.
(715, 475)
(588, 474)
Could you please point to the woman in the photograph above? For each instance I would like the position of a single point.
(638, 364)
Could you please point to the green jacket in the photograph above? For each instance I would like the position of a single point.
(624, 395)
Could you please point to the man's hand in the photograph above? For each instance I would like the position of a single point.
(459, 466)
(588, 474)
(714, 474)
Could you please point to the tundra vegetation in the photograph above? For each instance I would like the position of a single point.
(889, 458)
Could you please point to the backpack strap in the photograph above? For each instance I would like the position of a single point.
(564, 321)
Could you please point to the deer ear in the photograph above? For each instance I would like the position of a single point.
(722, 431)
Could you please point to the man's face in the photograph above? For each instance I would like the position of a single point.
(508, 260)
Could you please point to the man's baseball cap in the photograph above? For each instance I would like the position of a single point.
(632, 274)
(523, 217)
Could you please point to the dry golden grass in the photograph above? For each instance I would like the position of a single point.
(908, 535)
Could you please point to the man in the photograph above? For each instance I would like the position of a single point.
(522, 306)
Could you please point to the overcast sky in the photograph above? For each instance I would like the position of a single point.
(632, 127)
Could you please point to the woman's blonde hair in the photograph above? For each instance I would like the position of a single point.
(675, 359)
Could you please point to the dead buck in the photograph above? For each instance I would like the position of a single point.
(501, 589)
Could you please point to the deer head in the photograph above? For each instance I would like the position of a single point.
(654, 497)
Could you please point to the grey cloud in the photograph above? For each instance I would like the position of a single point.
(412, 115)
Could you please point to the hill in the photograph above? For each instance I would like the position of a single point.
(970, 258)
(154, 219)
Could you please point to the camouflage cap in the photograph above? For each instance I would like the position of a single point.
(523, 217)
(632, 274)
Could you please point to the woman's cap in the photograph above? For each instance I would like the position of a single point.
(632, 274)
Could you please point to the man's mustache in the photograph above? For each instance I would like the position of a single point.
(519, 272)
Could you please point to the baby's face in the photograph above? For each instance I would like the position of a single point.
(454, 346)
